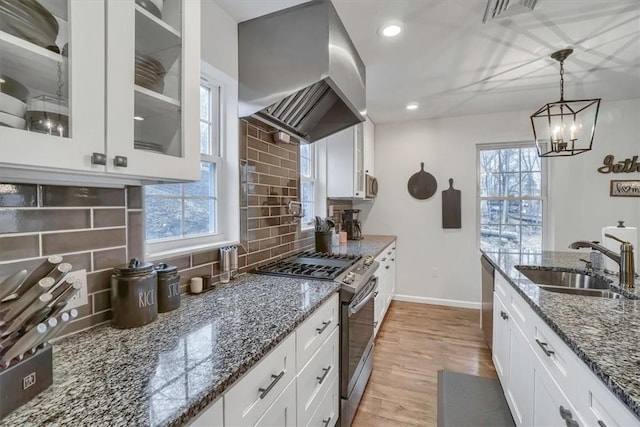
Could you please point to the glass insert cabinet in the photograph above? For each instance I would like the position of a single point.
(105, 87)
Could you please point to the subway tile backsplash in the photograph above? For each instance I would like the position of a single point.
(99, 228)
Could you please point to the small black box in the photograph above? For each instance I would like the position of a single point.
(23, 381)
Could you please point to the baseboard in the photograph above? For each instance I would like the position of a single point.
(438, 301)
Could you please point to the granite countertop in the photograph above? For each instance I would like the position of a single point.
(604, 333)
(370, 245)
(168, 371)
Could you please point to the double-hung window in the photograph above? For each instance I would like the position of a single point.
(511, 199)
(307, 183)
(189, 212)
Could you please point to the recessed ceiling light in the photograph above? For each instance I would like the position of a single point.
(412, 106)
(138, 118)
(390, 30)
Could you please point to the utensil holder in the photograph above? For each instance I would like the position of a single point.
(323, 241)
(21, 382)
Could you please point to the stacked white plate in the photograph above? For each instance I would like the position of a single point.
(12, 109)
(30, 21)
(149, 73)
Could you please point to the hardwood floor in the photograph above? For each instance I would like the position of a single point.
(414, 342)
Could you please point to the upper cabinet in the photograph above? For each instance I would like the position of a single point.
(52, 71)
(153, 88)
(105, 87)
(349, 156)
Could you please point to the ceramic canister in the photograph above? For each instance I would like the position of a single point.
(134, 300)
(168, 287)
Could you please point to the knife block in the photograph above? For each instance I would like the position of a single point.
(22, 381)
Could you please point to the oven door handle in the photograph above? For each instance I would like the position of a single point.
(353, 309)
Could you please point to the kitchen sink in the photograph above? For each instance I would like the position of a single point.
(602, 293)
(564, 279)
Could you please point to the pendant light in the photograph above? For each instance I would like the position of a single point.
(565, 128)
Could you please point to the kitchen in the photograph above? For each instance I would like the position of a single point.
(100, 225)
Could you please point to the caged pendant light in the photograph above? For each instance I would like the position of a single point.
(565, 128)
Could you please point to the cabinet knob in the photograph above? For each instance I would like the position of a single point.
(565, 414)
(98, 159)
(120, 161)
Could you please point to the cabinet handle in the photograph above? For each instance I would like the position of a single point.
(383, 259)
(389, 253)
(572, 423)
(375, 294)
(387, 267)
(264, 391)
(98, 159)
(504, 315)
(325, 423)
(325, 325)
(120, 161)
(326, 372)
(375, 324)
(393, 259)
(565, 414)
(543, 346)
(601, 423)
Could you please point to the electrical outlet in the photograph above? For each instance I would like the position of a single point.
(435, 272)
(81, 297)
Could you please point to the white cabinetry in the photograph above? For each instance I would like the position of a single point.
(296, 384)
(386, 284)
(544, 382)
(95, 80)
(369, 147)
(345, 164)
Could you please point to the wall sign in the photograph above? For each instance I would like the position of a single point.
(625, 166)
(625, 188)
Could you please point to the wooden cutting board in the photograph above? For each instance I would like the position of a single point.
(451, 207)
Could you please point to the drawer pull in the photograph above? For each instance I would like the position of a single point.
(543, 346)
(265, 391)
(375, 324)
(601, 423)
(98, 159)
(389, 253)
(565, 414)
(120, 161)
(325, 423)
(326, 372)
(572, 423)
(504, 315)
(393, 259)
(325, 325)
(383, 259)
(375, 294)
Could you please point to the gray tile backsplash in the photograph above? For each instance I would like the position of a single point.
(18, 195)
(34, 220)
(108, 218)
(54, 195)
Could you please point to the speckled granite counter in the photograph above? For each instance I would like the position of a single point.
(166, 372)
(370, 245)
(604, 333)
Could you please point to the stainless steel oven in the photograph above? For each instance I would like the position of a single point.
(356, 347)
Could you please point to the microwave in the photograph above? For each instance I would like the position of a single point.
(371, 187)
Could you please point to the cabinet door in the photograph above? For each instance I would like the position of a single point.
(501, 340)
(369, 147)
(59, 120)
(283, 411)
(340, 164)
(520, 377)
(212, 416)
(153, 90)
(358, 164)
(551, 407)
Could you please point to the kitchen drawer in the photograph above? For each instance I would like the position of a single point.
(243, 402)
(554, 355)
(600, 407)
(282, 413)
(315, 330)
(501, 287)
(211, 416)
(317, 376)
(551, 407)
(327, 413)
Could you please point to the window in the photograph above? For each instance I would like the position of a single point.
(307, 182)
(511, 199)
(179, 211)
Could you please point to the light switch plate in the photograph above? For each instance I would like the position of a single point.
(81, 297)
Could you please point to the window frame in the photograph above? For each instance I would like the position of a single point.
(226, 162)
(313, 179)
(544, 195)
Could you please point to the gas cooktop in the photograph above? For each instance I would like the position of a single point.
(311, 265)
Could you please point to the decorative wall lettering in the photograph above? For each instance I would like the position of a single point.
(626, 166)
(625, 188)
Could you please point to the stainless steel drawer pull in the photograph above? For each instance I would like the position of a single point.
(572, 423)
(504, 315)
(375, 294)
(325, 325)
(565, 414)
(326, 372)
(601, 423)
(98, 159)
(120, 161)
(325, 423)
(387, 267)
(383, 259)
(389, 253)
(543, 346)
(264, 391)
(375, 324)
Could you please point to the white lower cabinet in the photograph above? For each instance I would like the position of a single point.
(386, 274)
(295, 382)
(544, 382)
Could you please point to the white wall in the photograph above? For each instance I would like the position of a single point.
(219, 42)
(579, 196)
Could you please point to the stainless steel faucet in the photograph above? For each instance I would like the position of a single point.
(625, 259)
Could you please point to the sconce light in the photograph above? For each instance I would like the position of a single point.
(565, 128)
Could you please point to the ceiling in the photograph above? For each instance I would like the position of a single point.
(452, 64)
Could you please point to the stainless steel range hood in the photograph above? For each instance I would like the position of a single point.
(300, 72)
